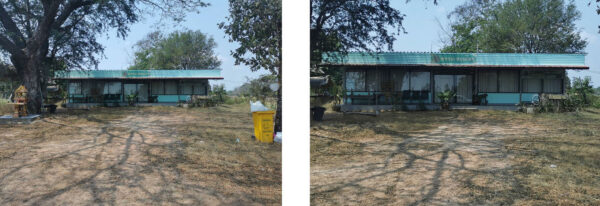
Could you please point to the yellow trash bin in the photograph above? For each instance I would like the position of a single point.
(263, 125)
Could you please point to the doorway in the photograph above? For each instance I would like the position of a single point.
(141, 89)
(461, 85)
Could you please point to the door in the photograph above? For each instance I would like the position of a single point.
(464, 88)
(461, 85)
(140, 89)
(442, 84)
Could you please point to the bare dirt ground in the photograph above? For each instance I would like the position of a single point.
(139, 156)
(441, 158)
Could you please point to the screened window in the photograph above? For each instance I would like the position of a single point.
(552, 85)
(532, 85)
(171, 87)
(199, 88)
(488, 81)
(186, 88)
(401, 80)
(75, 88)
(419, 81)
(112, 88)
(508, 81)
(355, 80)
(158, 87)
(86, 87)
(373, 83)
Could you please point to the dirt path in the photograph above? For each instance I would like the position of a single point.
(134, 159)
(429, 167)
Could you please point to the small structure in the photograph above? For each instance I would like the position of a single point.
(479, 80)
(143, 87)
(20, 102)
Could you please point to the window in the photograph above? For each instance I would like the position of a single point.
(355, 80)
(75, 88)
(112, 88)
(488, 81)
(157, 87)
(419, 81)
(508, 81)
(171, 87)
(186, 88)
(373, 83)
(553, 86)
(532, 85)
(401, 80)
(199, 88)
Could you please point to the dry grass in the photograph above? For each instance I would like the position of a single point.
(140, 156)
(474, 158)
(5, 108)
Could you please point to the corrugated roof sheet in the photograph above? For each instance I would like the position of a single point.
(449, 59)
(140, 74)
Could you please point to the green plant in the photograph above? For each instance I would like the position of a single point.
(445, 97)
(131, 99)
(582, 88)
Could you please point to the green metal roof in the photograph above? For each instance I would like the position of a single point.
(571, 61)
(140, 74)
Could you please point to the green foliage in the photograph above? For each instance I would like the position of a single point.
(340, 25)
(132, 99)
(582, 89)
(515, 26)
(218, 93)
(256, 26)
(183, 50)
(257, 89)
(445, 96)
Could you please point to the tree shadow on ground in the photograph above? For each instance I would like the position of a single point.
(118, 163)
(454, 161)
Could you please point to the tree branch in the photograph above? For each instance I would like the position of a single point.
(13, 31)
(69, 8)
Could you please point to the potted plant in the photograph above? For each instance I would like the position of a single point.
(445, 99)
(131, 99)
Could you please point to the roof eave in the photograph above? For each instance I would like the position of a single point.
(466, 66)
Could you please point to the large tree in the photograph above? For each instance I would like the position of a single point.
(515, 26)
(361, 25)
(39, 35)
(256, 26)
(183, 50)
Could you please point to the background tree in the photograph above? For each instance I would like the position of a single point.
(341, 26)
(42, 34)
(179, 50)
(257, 89)
(256, 26)
(515, 26)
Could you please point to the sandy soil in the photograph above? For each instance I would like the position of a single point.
(418, 158)
(144, 156)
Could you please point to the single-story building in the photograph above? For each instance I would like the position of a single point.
(500, 80)
(93, 87)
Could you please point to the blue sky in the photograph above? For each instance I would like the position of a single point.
(421, 23)
(119, 52)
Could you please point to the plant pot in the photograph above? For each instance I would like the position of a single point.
(445, 106)
(318, 113)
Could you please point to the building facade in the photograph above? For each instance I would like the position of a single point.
(492, 79)
(148, 86)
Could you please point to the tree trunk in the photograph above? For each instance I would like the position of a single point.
(278, 119)
(31, 79)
